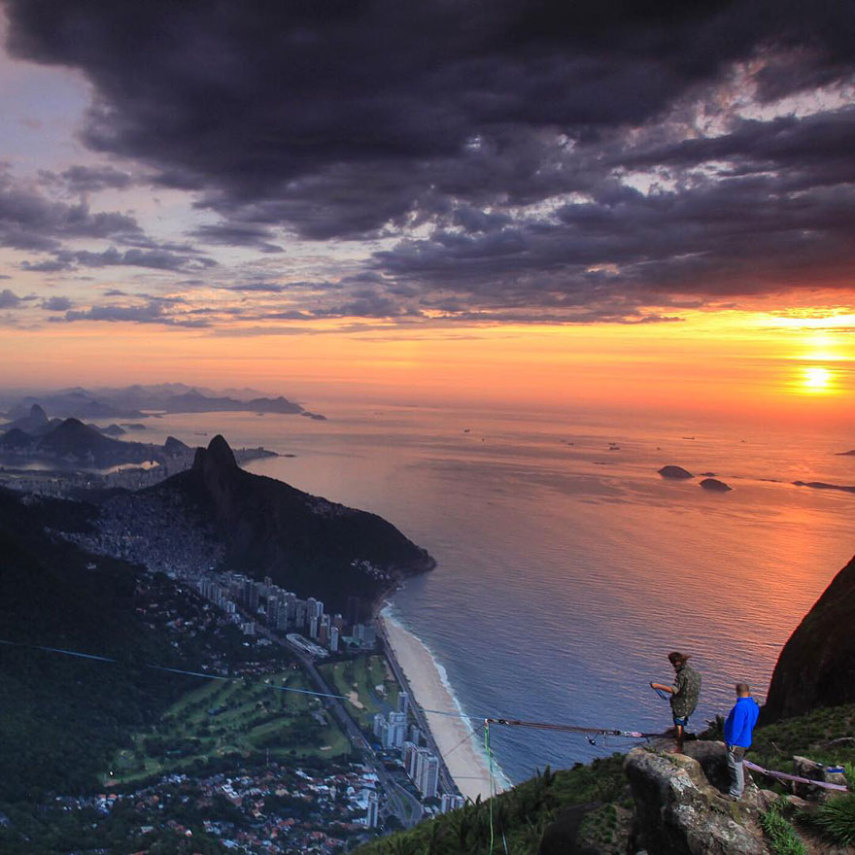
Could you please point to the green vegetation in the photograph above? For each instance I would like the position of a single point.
(780, 833)
(61, 718)
(369, 684)
(820, 735)
(245, 716)
(521, 814)
(605, 828)
(834, 819)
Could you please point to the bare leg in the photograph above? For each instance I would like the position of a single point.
(678, 738)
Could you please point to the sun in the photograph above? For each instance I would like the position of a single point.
(817, 379)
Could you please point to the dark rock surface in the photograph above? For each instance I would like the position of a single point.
(816, 668)
(715, 486)
(675, 472)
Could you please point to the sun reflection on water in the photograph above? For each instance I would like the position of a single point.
(817, 380)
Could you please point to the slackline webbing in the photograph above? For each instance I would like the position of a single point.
(572, 728)
(796, 778)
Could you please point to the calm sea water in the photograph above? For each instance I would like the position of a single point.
(567, 567)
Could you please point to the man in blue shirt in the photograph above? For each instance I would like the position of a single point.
(737, 736)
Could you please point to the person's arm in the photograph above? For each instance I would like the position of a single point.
(738, 720)
(662, 687)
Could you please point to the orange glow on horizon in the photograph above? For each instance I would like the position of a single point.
(727, 364)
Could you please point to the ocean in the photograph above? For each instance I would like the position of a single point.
(567, 567)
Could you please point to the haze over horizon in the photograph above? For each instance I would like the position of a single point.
(637, 205)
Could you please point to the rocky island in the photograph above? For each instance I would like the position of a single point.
(676, 472)
(715, 486)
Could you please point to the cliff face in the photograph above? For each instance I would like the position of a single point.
(305, 543)
(816, 668)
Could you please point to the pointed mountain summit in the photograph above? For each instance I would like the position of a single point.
(35, 422)
(305, 543)
(216, 458)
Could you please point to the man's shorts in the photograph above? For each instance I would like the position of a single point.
(681, 720)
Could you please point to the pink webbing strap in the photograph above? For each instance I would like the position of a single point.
(785, 777)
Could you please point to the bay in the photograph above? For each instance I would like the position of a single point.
(567, 567)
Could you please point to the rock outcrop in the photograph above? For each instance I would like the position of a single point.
(679, 812)
(715, 486)
(676, 472)
(816, 668)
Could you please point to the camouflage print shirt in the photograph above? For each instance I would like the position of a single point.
(687, 687)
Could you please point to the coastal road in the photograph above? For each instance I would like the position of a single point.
(404, 805)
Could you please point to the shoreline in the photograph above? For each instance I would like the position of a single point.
(453, 734)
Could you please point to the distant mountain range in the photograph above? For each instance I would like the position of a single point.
(134, 402)
(71, 444)
(35, 438)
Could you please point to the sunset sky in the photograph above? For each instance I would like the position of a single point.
(602, 202)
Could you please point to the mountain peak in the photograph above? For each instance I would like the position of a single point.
(218, 455)
(37, 415)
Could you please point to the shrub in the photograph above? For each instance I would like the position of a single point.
(836, 819)
(782, 837)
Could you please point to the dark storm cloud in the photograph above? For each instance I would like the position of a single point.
(87, 179)
(364, 118)
(237, 234)
(30, 220)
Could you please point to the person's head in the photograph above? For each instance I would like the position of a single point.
(678, 660)
(743, 690)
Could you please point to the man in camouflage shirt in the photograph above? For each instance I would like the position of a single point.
(684, 694)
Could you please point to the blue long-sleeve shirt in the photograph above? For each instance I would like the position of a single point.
(740, 722)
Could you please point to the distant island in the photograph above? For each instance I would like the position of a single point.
(139, 402)
(676, 472)
(715, 486)
(821, 485)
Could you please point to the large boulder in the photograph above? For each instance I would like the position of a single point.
(816, 668)
(678, 811)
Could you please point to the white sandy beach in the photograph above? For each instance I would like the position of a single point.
(453, 735)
